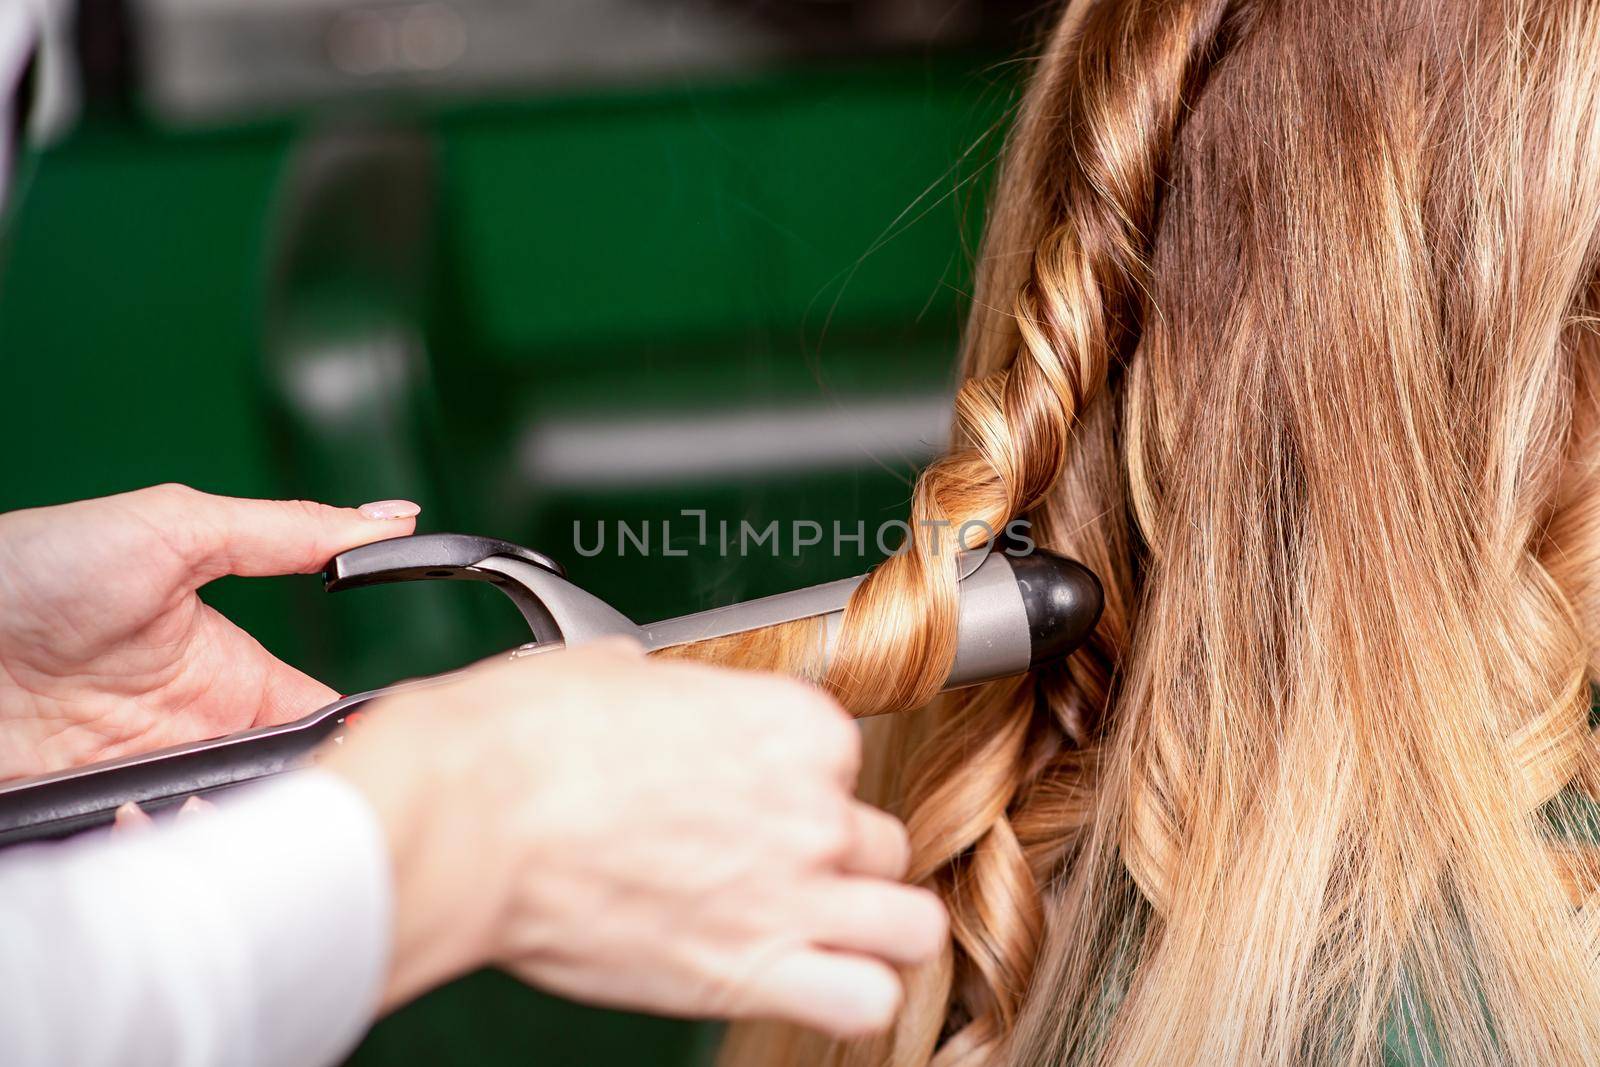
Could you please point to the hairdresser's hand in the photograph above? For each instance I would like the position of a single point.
(105, 648)
(658, 836)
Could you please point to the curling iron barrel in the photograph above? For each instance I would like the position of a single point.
(1016, 613)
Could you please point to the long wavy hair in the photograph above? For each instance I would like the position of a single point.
(1284, 326)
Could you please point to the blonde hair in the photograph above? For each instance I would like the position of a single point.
(1284, 327)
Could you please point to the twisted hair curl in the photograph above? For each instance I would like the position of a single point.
(1284, 327)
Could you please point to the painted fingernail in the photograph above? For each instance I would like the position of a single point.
(390, 509)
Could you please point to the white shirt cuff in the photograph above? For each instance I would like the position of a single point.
(256, 936)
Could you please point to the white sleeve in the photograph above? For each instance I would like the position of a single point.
(255, 936)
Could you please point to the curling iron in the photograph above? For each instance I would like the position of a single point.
(1016, 613)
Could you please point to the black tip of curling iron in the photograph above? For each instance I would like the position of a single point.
(1063, 599)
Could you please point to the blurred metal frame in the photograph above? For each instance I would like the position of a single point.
(204, 61)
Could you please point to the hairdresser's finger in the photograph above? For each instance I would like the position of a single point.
(227, 535)
(841, 994)
(130, 818)
(879, 846)
(823, 733)
(898, 923)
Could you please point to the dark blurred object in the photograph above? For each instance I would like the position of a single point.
(344, 358)
(22, 107)
(215, 60)
(857, 25)
(102, 38)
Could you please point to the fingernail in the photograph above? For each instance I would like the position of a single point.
(131, 817)
(195, 806)
(390, 509)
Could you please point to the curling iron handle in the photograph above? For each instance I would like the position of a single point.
(72, 801)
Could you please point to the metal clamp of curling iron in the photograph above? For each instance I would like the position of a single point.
(1016, 613)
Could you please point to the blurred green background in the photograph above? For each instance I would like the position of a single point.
(732, 291)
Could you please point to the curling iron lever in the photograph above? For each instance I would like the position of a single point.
(1016, 613)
